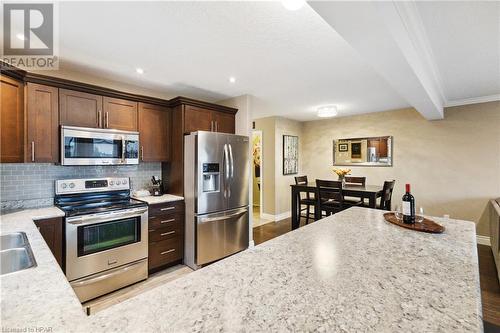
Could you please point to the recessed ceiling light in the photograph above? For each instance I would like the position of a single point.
(20, 36)
(327, 111)
(232, 79)
(139, 70)
(293, 4)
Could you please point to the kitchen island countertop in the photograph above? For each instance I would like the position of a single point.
(349, 272)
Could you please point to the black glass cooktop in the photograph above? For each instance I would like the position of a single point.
(92, 203)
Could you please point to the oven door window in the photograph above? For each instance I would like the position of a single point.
(108, 235)
(75, 147)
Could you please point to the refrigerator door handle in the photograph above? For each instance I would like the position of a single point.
(222, 218)
(225, 161)
(231, 173)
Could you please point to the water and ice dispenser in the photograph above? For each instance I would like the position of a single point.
(211, 177)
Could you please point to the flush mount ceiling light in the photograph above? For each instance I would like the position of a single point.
(293, 4)
(20, 36)
(327, 111)
(232, 79)
(139, 70)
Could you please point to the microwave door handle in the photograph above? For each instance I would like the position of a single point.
(123, 149)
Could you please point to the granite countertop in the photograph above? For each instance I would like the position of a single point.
(151, 200)
(39, 296)
(349, 272)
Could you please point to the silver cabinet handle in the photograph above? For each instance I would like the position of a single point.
(106, 119)
(167, 233)
(32, 151)
(167, 221)
(211, 125)
(99, 118)
(168, 251)
(142, 153)
(167, 208)
(216, 125)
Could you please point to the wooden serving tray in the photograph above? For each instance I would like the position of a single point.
(426, 226)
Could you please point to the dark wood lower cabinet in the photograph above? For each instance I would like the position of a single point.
(166, 235)
(52, 232)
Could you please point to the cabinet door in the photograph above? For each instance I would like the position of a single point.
(11, 120)
(52, 233)
(223, 122)
(154, 132)
(197, 119)
(42, 119)
(119, 114)
(80, 109)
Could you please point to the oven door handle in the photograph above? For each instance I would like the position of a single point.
(92, 219)
(116, 271)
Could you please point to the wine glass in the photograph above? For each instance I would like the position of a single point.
(419, 217)
(398, 212)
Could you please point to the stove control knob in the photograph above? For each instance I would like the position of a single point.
(124, 182)
(71, 185)
(111, 183)
(64, 185)
(117, 182)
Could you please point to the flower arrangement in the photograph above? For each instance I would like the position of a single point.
(342, 173)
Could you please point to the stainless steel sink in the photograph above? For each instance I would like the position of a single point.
(13, 240)
(15, 254)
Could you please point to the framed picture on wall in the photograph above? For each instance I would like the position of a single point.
(290, 154)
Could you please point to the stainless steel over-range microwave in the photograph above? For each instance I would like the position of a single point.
(95, 146)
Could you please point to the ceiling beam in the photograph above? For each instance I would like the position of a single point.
(390, 37)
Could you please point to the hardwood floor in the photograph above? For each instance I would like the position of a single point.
(490, 288)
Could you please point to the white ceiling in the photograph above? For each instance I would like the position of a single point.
(291, 61)
(465, 39)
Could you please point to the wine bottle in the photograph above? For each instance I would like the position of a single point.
(408, 206)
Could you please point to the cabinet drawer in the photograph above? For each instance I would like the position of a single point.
(164, 252)
(166, 209)
(169, 232)
(167, 220)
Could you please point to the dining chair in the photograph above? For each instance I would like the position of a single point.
(385, 200)
(308, 201)
(330, 197)
(354, 181)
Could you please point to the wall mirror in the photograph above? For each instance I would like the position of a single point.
(372, 151)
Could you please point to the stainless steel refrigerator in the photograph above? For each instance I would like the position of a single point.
(216, 180)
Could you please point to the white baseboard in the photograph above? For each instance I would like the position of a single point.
(277, 217)
(251, 244)
(483, 240)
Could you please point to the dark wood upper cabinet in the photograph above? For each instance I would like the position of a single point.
(154, 132)
(11, 120)
(42, 123)
(224, 122)
(119, 114)
(80, 109)
(52, 233)
(200, 119)
(197, 119)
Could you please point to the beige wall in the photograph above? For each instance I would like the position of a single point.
(282, 183)
(267, 172)
(453, 164)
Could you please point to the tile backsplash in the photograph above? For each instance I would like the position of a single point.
(29, 185)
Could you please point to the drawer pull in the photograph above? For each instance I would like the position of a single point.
(168, 251)
(167, 233)
(166, 221)
(167, 208)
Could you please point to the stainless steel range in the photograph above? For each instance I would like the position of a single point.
(106, 235)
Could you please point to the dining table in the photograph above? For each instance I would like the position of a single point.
(370, 192)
